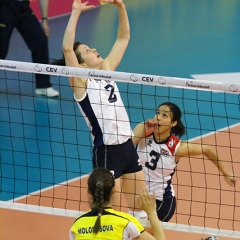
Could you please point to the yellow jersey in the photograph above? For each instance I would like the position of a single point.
(114, 225)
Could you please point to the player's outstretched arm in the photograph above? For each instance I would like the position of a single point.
(194, 149)
(115, 56)
(77, 84)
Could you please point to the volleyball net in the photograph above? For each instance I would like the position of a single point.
(46, 146)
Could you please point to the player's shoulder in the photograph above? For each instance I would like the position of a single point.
(173, 141)
(123, 215)
(84, 215)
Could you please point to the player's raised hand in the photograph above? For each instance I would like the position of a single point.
(81, 6)
(116, 2)
(146, 202)
(150, 125)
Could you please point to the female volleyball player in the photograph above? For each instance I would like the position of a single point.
(160, 149)
(102, 106)
(102, 222)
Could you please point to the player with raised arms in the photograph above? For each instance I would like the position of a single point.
(101, 105)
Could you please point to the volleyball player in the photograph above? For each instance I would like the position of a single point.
(101, 104)
(102, 222)
(160, 149)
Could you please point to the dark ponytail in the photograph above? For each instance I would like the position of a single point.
(99, 205)
(61, 61)
(100, 185)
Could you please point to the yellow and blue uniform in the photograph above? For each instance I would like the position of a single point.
(114, 225)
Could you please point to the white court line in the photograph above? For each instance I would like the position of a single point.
(48, 188)
(86, 175)
(74, 214)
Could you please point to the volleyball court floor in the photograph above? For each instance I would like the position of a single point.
(168, 38)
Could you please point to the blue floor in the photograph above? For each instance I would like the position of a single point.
(45, 141)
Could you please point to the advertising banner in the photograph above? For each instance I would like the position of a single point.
(57, 7)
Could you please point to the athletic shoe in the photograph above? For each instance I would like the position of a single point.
(48, 92)
(144, 222)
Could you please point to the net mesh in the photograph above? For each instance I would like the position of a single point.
(46, 146)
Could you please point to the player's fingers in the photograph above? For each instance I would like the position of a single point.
(139, 201)
(154, 196)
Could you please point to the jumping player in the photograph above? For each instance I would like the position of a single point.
(101, 104)
(160, 149)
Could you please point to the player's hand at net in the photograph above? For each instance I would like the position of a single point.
(231, 179)
(150, 125)
(146, 202)
(118, 3)
(81, 6)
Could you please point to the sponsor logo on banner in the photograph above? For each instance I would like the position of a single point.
(162, 80)
(147, 79)
(233, 88)
(65, 71)
(93, 74)
(193, 85)
(8, 66)
(51, 69)
(134, 78)
(37, 68)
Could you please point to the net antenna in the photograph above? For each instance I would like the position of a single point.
(210, 113)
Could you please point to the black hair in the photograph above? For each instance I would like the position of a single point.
(100, 185)
(179, 129)
(61, 61)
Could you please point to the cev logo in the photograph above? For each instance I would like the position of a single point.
(147, 79)
(49, 69)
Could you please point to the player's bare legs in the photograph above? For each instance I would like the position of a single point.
(129, 186)
(132, 183)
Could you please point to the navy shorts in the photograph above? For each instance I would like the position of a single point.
(166, 209)
(121, 158)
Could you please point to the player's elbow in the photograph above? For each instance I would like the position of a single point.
(66, 49)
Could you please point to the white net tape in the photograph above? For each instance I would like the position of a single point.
(121, 76)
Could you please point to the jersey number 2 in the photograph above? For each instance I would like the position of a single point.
(112, 97)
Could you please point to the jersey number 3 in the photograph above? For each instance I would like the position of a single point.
(155, 156)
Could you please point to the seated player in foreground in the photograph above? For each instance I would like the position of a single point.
(160, 149)
(102, 222)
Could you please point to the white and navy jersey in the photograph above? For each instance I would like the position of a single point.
(158, 161)
(105, 113)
